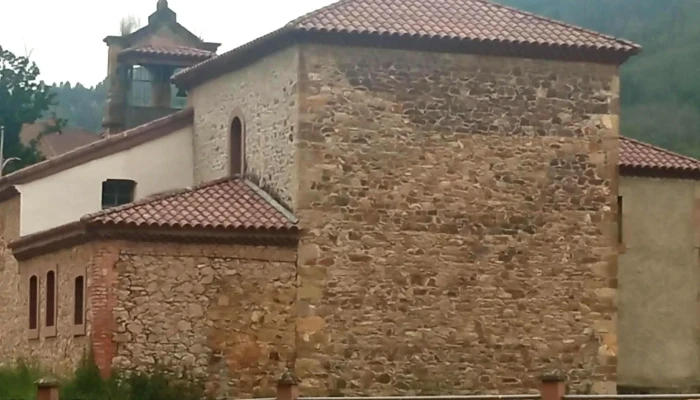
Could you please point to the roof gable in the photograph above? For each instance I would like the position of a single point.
(469, 26)
(162, 20)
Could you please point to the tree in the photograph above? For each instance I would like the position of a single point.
(82, 106)
(23, 100)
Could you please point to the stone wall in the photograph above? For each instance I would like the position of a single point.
(264, 96)
(12, 309)
(659, 277)
(460, 222)
(223, 313)
(61, 352)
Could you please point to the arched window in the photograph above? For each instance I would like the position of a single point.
(50, 304)
(79, 306)
(33, 303)
(237, 147)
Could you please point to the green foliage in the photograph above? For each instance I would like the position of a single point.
(18, 383)
(159, 386)
(660, 88)
(82, 107)
(87, 384)
(23, 99)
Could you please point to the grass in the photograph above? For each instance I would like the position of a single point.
(17, 382)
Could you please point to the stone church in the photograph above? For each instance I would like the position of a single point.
(387, 196)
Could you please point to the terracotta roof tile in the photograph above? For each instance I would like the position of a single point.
(478, 20)
(54, 144)
(464, 20)
(643, 156)
(173, 51)
(232, 203)
(59, 143)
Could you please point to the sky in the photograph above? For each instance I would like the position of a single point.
(64, 37)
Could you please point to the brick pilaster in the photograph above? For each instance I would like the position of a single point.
(103, 301)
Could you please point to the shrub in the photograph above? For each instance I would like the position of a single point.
(160, 386)
(17, 382)
(86, 383)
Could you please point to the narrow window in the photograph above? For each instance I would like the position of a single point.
(140, 92)
(237, 147)
(50, 299)
(79, 291)
(619, 219)
(116, 192)
(33, 303)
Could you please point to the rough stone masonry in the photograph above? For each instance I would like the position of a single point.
(459, 212)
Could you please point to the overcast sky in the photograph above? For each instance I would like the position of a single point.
(65, 36)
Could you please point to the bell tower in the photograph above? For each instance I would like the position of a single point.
(140, 65)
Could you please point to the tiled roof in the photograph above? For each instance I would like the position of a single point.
(475, 21)
(232, 203)
(58, 143)
(172, 51)
(640, 156)
(478, 20)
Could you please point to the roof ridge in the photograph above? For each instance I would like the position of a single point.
(270, 200)
(165, 46)
(649, 145)
(561, 23)
(166, 194)
(295, 21)
(369, 18)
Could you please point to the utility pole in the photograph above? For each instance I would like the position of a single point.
(2, 148)
(4, 162)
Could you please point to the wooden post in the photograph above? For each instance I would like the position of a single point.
(288, 386)
(552, 386)
(47, 389)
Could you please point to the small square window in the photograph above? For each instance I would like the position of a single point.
(116, 192)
